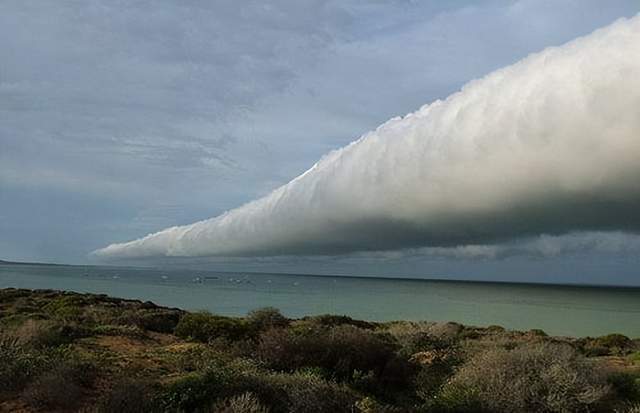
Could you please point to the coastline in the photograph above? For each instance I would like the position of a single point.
(585, 311)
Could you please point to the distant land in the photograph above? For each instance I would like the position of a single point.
(26, 263)
(394, 278)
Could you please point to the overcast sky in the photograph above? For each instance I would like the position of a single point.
(118, 119)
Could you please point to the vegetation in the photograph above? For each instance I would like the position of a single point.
(70, 352)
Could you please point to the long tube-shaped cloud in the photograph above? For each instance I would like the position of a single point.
(548, 145)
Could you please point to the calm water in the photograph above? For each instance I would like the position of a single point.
(559, 310)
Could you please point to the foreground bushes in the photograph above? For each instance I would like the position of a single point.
(339, 350)
(244, 403)
(539, 377)
(42, 334)
(18, 365)
(49, 379)
(205, 327)
(61, 387)
(99, 354)
(220, 385)
(611, 344)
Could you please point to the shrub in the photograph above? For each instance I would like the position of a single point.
(197, 357)
(331, 320)
(61, 387)
(302, 393)
(262, 319)
(433, 375)
(283, 350)
(611, 344)
(539, 377)
(67, 306)
(414, 337)
(17, 365)
(369, 405)
(280, 392)
(614, 341)
(455, 399)
(363, 358)
(43, 333)
(129, 396)
(418, 342)
(118, 330)
(197, 390)
(309, 393)
(626, 386)
(158, 320)
(204, 326)
(536, 332)
(244, 403)
(340, 350)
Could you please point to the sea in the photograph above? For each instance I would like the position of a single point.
(565, 310)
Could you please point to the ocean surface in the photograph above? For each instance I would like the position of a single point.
(558, 310)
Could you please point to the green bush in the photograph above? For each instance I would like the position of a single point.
(158, 320)
(204, 326)
(68, 306)
(263, 319)
(17, 365)
(195, 391)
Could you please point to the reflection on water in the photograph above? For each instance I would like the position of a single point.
(559, 310)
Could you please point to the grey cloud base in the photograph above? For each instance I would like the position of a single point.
(549, 145)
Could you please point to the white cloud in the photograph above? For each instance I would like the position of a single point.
(548, 145)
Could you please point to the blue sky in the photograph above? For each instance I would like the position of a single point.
(118, 119)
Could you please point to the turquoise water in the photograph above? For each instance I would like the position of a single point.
(558, 310)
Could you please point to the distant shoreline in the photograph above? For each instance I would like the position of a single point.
(367, 277)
